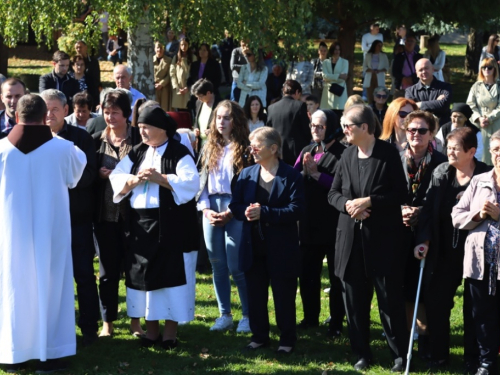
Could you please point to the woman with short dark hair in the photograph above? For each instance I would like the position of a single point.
(205, 67)
(79, 67)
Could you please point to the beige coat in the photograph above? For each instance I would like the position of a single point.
(162, 76)
(481, 189)
(484, 102)
(383, 63)
(179, 75)
(329, 100)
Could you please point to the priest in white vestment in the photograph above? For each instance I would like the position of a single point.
(160, 179)
(37, 308)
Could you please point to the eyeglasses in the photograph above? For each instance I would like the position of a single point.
(403, 114)
(495, 151)
(421, 131)
(378, 96)
(345, 126)
(318, 127)
(487, 67)
(254, 149)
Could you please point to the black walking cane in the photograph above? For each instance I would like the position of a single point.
(410, 348)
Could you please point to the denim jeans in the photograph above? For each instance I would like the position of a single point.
(116, 58)
(223, 251)
(235, 92)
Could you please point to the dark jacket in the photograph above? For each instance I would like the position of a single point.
(382, 232)
(274, 87)
(397, 68)
(95, 125)
(289, 118)
(198, 106)
(4, 134)
(93, 79)
(320, 217)
(174, 48)
(212, 72)
(81, 198)
(380, 114)
(428, 98)
(278, 220)
(69, 86)
(428, 230)
(109, 45)
(415, 200)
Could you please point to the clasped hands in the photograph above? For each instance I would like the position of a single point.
(217, 219)
(359, 208)
(310, 166)
(148, 174)
(410, 215)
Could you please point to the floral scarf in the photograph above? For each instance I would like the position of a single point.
(416, 173)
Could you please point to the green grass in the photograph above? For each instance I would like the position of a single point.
(205, 352)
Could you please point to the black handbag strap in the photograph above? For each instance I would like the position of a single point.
(412, 69)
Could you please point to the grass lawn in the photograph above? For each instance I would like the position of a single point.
(205, 352)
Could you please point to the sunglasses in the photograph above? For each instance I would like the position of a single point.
(345, 126)
(378, 96)
(421, 131)
(488, 67)
(403, 114)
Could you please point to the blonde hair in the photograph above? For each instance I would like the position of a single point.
(352, 100)
(487, 62)
(392, 114)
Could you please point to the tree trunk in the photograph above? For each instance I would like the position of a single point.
(347, 40)
(473, 52)
(4, 58)
(140, 58)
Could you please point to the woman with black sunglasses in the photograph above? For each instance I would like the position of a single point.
(379, 105)
(483, 100)
(393, 130)
(419, 159)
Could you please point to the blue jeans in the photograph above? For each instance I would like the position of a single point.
(235, 92)
(223, 245)
(116, 58)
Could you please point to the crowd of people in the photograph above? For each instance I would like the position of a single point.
(254, 188)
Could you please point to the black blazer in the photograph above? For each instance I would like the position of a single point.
(397, 68)
(69, 87)
(384, 243)
(95, 125)
(278, 220)
(212, 72)
(174, 48)
(289, 118)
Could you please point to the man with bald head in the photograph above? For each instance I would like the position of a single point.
(429, 93)
(123, 79)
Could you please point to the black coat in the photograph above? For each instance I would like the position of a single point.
(428, 98)
(320, 217)
(95, 125)
(212, 72)
(274, 87)
(397, 68)
(93, 79)
(81, 198)
(428, 229)
(278, 219)
(69, 87)
(289, 118)
(382, 232)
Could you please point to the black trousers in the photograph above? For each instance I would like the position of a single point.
(284, 289)
(111, 240)
(310, 285)
(83, 251)
(486, 317)
(438, 302)
(358, 292)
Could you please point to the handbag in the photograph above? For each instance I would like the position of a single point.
(336, 89)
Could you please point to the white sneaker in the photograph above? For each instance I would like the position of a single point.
(244, 325)
(223, 323)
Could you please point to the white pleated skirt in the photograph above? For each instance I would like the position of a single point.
(176, 303)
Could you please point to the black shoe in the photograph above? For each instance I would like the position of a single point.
(304, 324)
(483, 369)
(148, 343)
(51, 366)
(14, 368)
(362, 364)
(169, 344)
(437, 364)
(89, 338)
(424, 347)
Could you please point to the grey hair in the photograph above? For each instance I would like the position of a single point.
(495, 136)
(269, 136)
(147, 104)
(127, 68)
(382, 88)
(53, 94)
(319, 113)
(128, 92)
(103, 93)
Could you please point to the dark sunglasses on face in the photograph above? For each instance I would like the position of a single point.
(421, 131)
(487, 67)
(378, 96)
(403, 114)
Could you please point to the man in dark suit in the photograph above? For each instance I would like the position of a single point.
(403, 68)
(431, 94)
(289, 118)
(59, 79)
(274, 84)
(368, 190)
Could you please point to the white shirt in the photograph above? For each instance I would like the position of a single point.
(479, 150)
(367, 41)
(185, 182)
(219, 181)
